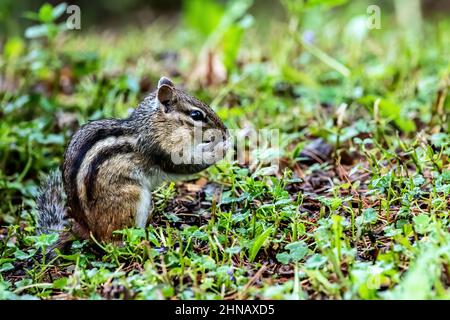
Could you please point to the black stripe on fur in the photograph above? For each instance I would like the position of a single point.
(104, 155)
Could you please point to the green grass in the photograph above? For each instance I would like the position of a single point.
(370, 220)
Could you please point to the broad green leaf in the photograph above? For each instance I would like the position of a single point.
(202, 15)
(44, 240)
(422, 223)
(391, 111)
(297, 250)
(60, 283)
(21, 255)
(59, 10)
(46, 13)
(233, 250)
(315, 261)
(36, 31)
(370, 215)
(6, 267)
(13, 48)
(284, 257)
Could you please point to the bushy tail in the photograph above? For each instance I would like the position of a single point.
(52, 212)
(51, 205)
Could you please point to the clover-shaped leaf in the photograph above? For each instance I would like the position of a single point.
(297, 250)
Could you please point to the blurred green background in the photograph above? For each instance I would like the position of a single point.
(375, 205)
(116, 13)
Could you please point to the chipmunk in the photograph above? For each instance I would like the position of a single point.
(111, 166)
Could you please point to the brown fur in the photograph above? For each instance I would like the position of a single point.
(109, 163)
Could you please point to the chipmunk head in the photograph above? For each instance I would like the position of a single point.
(184, 134)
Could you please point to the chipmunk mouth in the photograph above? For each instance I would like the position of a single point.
(201, 150)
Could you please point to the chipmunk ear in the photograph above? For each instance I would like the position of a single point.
(165, 81)
(164, 94)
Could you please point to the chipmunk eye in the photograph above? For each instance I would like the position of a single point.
(197, 115)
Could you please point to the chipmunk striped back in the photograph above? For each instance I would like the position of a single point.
(95, 146)
(111, 166)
